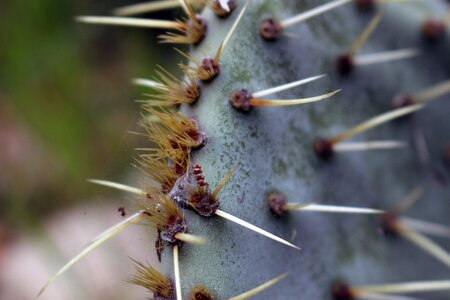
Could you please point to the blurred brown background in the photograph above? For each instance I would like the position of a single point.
(66, 106)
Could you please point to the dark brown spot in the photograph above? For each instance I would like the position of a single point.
(208, 70)
(323, 148)
(180, 167)
(197, 135)
(159, 245)
(344, 64)
(174, 225)
(276, 202)
(197, 30)
(201, 293)
(433, 30)
(122, 212)
(365, 5)
(270, 29)
(389, 223)
(167, 185)
(203, 202)
(402, 101)
(159, 296)
(342, 291)
(240, 100)
(220, 11)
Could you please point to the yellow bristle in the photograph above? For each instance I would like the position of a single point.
(151, 279)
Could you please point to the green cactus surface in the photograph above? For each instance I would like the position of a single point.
(272, 150)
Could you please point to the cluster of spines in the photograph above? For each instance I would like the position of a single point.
(175, 136)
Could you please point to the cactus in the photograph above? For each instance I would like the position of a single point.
(232, 153)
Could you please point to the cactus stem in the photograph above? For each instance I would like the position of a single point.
(176, 267)
(190, 238)
(364, 36)
(118, 186)
(313, 12)
(371, 145)
(331, 208)
(406, 287)
(424, 243)
(386, 56)
(426, 227)
(254, 228)
(98, 241)
(134, 22)
(260, 288)
(286, 86)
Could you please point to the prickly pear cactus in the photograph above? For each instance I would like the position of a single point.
(273, 147)
(290, 154)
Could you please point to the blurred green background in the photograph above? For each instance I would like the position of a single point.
(66, 102)
(66, 106)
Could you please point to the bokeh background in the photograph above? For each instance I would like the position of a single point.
(66, 110)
